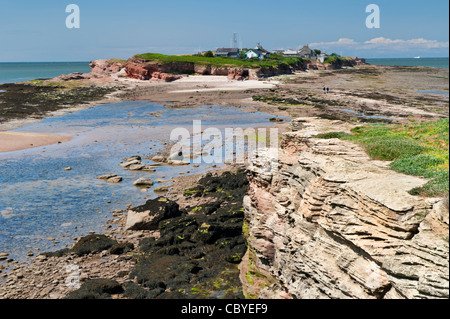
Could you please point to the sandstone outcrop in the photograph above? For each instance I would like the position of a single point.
(148, 71)
(331, 223)
(144, 70)
(137, 68)
(102, 67)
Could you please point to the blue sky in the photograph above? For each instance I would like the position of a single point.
(36, 30)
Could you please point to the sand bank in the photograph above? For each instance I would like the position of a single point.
(15, 141)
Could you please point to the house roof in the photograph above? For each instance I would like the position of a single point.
(305, 50)
(260, 48)
(259, 52)
(290, 52)
(228, 50)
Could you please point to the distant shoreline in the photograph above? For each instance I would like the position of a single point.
(442, 63)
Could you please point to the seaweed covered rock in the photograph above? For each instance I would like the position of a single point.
(97, 289)
(121, 248)
(227, 185)
(196, 255)
(149, 215)
(93, 244)
(88, 245)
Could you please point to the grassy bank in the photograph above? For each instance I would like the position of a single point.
(274, 61)
(418, 149)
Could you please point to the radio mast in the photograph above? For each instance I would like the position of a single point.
(235, 40)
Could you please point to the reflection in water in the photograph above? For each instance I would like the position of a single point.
(39, 200)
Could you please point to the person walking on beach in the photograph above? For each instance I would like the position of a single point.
(328, 90)
(324, 90)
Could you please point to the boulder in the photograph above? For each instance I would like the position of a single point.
(143, 182)
(134, 158)
(162, 189)
(115, 179)
(93, 244)
(128, 164)
(158, 159)
(136, 167)
(120, 249)
(177, 163)
(149, 215)
(97, 289)
(106, 177)
(71, 77)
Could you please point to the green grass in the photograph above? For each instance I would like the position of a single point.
(331, 135)
(418, 149)
(275, 61)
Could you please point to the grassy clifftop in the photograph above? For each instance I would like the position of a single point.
(418, 149)
(274, 61)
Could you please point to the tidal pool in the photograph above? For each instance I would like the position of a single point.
(366, 116)
(39, 200)
(433, 92)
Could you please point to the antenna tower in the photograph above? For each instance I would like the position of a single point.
(235, 40)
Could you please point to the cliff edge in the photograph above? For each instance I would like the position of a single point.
(332, 223)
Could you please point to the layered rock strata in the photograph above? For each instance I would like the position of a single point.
(148, 70)
(332, 223)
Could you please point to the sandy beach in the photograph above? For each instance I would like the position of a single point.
(16, 141)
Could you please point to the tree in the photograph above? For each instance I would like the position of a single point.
(209, 54)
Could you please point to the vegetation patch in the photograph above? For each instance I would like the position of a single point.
(273, 62)
(331, 135)
(418, 149)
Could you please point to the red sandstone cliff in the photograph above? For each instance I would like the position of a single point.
(148, 70)
(136, 68)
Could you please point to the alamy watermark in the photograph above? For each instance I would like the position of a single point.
(73, 278)
(73, 19)
(228, 146)
(373, 21)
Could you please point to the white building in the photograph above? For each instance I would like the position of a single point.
(258, 52)
(293, 53)
(321, 57)
(253, 53)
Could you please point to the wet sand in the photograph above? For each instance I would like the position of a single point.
(16, 141)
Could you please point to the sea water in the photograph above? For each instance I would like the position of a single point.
(39, 200)
(427, 62)
(21, 72)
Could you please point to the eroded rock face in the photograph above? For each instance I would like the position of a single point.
(142, 70)
(331, 223)
(147, 70)
(102, 67)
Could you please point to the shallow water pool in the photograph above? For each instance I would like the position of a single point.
(39, 200)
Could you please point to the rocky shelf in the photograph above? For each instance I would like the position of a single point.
(332, 223)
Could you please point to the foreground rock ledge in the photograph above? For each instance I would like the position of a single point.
(331, 223)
